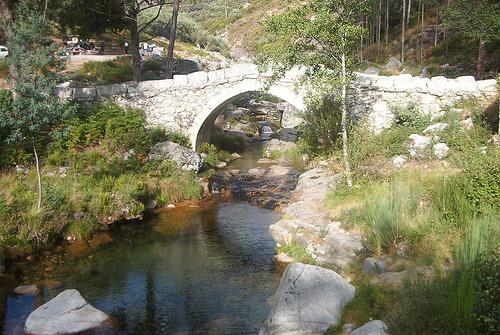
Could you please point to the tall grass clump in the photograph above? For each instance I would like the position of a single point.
(480, 240)
(462, 301)
(391, 215)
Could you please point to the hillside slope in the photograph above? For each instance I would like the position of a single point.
(440, 53)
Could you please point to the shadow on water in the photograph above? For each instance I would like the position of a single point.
(185, 271)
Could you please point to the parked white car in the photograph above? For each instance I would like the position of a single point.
(4, 52)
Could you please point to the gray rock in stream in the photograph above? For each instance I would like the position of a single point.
(308, 301)
(67, 313)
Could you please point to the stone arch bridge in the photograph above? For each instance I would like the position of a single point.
(191, 103)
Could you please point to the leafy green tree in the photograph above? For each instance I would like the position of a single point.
(320, 35)
(477, 20)
(35, 109)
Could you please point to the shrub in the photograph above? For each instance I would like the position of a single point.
(368, 149)
(115, 128)
(211, 155)
(322, 125)
(410, 116)
(114, 71)
(368, 304)
(179, 138)
(487, 302)
(4, 68)
(228, 142)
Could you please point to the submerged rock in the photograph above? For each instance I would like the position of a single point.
(26, 290)
(308, 301)
(67, 313)
(185, 158)
(278, 145)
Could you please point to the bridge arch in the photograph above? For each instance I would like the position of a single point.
(200, 129)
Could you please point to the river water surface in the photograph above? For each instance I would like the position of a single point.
(186, 271)
(195, 269)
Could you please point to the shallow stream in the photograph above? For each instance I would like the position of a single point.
(195, 269)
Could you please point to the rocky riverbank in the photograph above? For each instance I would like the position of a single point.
(306, 222)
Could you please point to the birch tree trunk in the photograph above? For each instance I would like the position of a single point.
(345, 139)
(39, 175)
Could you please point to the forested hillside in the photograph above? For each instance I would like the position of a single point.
(440, 36)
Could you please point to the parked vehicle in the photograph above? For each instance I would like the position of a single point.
(4, 52)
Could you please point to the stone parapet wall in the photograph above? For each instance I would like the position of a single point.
(190, 103)
(376, 96)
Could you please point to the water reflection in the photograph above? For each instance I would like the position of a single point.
(188, 271)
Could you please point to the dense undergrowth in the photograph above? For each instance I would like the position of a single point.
(441, 216)
(95, 172)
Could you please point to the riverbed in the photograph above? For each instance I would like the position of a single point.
(202, 268)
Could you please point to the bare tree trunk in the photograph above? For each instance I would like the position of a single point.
(387, 22)
(436, 34)
(45, 9)
(345, 139)
(480, 58)
(39, 202)
(403, 33)
(408, 16)
(422, 33)
(445, 31)
(169, 62)
(379, 25)
(134, 45)
(361, 42)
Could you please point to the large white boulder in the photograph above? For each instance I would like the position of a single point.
(399, 161)
(441, 150)
(67, 313)
(435, 128)
(418, 145)
(185, 158)
(375, 327)
(308, 301)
